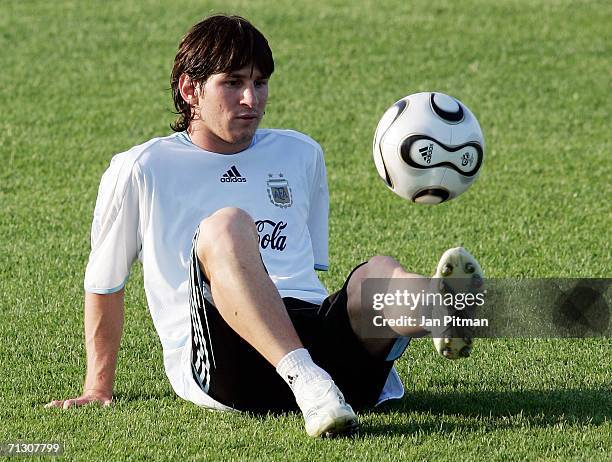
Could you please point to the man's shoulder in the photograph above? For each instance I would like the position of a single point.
(139, 155)
(294, 137)
(127, 164)
(149, 147)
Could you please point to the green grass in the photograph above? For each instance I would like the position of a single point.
(80, 81)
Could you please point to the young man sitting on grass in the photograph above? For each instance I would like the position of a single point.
(230, 223)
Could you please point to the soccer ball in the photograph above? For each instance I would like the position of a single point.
(428, 148)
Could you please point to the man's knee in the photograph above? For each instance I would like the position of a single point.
(379, 266)
(382, 266)
(226, 231)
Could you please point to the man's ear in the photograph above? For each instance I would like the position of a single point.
(188, 89)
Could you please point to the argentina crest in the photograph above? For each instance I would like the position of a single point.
(279, 191)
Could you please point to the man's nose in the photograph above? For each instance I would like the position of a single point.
(249, 95)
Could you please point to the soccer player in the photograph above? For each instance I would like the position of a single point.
(230, 223)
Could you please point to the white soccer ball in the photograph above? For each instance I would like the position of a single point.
(428, 148)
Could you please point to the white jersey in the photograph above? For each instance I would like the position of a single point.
(152, 198)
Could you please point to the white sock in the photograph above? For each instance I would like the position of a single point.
(297, 368)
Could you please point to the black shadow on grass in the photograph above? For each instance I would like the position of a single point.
(138, 396)
(442, 428)
(539, 407)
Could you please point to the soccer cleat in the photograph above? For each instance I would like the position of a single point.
(457, 272)
(326, 414)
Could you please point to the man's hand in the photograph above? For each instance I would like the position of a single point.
(88, 397)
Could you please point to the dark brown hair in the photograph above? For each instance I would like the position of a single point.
(217, 44)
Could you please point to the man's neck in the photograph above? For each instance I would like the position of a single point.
(212, 143)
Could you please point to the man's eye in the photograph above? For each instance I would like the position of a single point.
(231, 83)
(261, 83)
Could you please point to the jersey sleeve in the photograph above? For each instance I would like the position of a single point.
(115, 240)
(318, 215)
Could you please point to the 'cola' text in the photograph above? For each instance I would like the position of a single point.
(269, 234)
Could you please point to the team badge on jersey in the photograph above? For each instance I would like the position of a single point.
(279, 191)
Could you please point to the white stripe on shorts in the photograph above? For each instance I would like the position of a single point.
(201, 347)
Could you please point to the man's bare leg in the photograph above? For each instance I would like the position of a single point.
(455, 264)
(248, 301)
(243, 292)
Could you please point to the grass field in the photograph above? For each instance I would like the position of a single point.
(80, 81)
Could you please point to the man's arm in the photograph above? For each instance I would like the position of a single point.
(103, 328)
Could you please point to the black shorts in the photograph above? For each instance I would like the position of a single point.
(233, 373)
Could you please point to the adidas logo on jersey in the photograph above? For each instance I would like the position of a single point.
(233, 176)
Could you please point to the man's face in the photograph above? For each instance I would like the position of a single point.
(228, 109)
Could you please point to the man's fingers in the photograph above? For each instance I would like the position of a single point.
(54, 403)
(68, 403)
